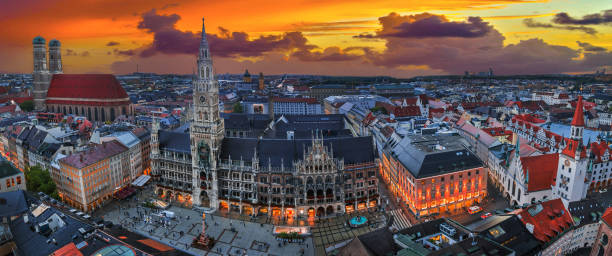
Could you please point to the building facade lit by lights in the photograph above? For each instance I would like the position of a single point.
(433, 173)
(293, 174)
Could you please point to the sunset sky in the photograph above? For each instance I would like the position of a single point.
(345, 37)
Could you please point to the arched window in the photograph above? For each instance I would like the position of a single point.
(89, 113)
(96, 114)
(82, 111)
(112, 114)
(64, 110)
(102, 114)
(207, 72)
(70, 110)
(123, 111)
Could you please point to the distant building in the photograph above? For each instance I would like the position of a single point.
(320, 92)
(433, 173)
(98, 97)
(296, 106)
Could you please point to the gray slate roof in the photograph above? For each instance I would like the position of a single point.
(174, 141)
(430, 155)
(281, 151)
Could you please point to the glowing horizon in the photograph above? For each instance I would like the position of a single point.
(400, 39)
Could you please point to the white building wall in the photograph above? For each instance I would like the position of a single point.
(570, 184)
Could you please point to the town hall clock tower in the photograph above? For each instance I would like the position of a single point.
(206, 130)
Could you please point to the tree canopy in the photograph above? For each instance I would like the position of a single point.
(39, 180)
(237, 108)
(27, 106)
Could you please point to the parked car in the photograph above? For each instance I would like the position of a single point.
(486, 215)
(474, 209)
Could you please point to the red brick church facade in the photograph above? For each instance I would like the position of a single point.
(99, 97)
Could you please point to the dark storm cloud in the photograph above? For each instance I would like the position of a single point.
(112, 43)
(529, 22)
(605, 17)
(590, 48)
(456, 54)
(534, 24)
(438, 26)
(422, 41)
(239, 44)
(428, 25)
(168, 39)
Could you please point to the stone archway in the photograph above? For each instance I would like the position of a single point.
(311, 212)
(320, 211)
(204, 199)
(329, 210)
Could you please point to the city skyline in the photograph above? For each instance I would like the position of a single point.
(343, 38)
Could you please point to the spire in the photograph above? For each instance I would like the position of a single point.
(578, 119)
(203, 43)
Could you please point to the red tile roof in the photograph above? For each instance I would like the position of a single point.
(541, 171)
(407, 111)
(571, 148)
(547, 219)
(497, 131)
(578, 119)
(368, 119)
(9, 108)
(607, 216)
(599, 149)
(532, 118)
(68, 250)
(86, 86)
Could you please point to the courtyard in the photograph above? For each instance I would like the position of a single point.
(234, 233)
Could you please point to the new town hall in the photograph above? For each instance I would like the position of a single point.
(318, 171)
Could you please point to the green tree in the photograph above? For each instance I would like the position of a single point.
(39, 180)
(237, 108)
(27, 106)
(379, 109)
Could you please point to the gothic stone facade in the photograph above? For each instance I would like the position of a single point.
(280, 177)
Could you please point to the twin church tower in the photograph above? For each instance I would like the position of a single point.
(43, 69)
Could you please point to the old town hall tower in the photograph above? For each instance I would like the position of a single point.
(206, 130)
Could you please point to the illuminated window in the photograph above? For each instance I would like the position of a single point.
(496, 231)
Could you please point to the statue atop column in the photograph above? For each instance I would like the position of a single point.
(203, 241)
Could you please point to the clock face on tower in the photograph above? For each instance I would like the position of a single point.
(202, 99)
